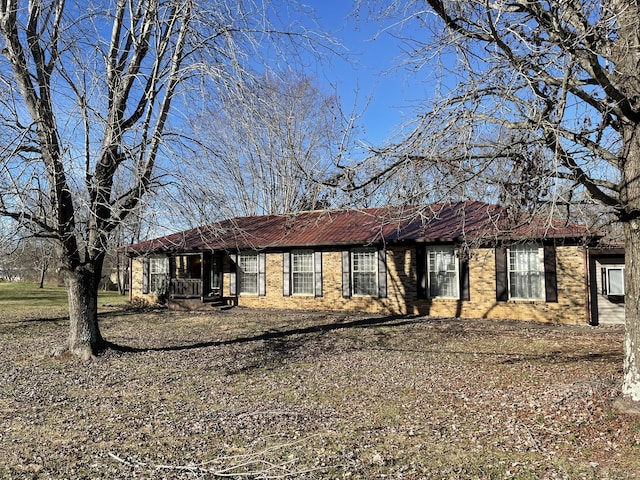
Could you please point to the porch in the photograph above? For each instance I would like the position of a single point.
(195, 276)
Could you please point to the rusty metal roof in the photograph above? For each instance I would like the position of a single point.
(443, 222)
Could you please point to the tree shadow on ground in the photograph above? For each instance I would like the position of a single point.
(556, 357)
(277, 335)
(281, 343)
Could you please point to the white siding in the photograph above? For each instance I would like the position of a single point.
(608, 312)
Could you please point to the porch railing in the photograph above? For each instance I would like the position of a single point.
(185, 288)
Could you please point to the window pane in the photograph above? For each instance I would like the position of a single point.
(303, 283)
(249, 283)
(616, 281)
(365, 272)
(525, 285)
(248, 263)
(158, 265)
(302, 272)
(365, 284)
(302, 261)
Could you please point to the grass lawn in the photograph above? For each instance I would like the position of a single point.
(267, 394)
(26, 299)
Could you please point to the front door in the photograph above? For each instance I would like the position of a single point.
(216, 276)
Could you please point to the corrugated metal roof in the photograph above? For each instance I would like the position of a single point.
(471, 221)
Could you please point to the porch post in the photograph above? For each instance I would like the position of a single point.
(205, 274)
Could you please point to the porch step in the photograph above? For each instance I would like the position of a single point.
(217, 303)
(197, 304)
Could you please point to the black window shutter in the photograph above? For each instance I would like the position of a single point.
(346, 274)
(550, 277)
(145, 275)
(382, 273)
(262, 274)
(233, 274)
(465, 293)
(317, 274)
(421, 270)
(603, 276)
(167, 277)
(286, 274)
(502, 286)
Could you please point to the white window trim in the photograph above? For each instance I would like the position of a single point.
(374, 252)
(608, 286)
(541, 271)
(442, 248)
(312, 272)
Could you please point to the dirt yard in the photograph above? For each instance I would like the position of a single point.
(266, 394)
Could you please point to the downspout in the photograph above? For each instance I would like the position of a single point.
(587, 285)
(130, 279)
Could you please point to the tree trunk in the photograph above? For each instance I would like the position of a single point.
(120, 276)
(84, 333)
(630, 196)
(631, 384)
(43, 271)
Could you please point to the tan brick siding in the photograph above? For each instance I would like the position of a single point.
(402, 289)
(136, 294)
(570, 307)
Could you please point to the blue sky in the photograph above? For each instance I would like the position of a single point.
(370, 78)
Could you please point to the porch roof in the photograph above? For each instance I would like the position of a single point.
(443, 222)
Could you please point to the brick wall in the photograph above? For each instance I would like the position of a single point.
(402, 296)
(136, 294)
(331, 299)
(570, 307)
(136, 280)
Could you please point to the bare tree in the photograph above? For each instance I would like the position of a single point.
(266, 144)
(91, 96)
(40, 256)
(539, 100)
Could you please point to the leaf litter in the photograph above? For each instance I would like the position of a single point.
(279, 394)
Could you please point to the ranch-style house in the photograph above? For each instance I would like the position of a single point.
(466, 259)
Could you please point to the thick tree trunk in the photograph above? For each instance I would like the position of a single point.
(630, 196)
(625, 56)
(84, 333)
(631, 384)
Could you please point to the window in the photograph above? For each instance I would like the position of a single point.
(248, 272)
(158, 275)
(614, 281)
(302, 271)
(442, 267)
(364, 276)
(364, 272)
(526, 272)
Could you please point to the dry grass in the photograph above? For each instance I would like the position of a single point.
(26, 300)
(266, 394)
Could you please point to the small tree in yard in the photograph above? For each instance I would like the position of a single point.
(90, 94)
(538, 98)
